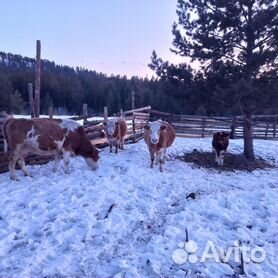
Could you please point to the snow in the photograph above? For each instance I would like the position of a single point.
(127, 220)
(42, 116)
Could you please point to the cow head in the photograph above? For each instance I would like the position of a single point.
(93, 159)
(154, 130)
(222, 139)
(111, 126)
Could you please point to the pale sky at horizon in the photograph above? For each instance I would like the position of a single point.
(113, 36)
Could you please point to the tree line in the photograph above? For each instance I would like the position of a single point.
(176, 89)
(67, 88)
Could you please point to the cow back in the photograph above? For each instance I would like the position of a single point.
(170, 134)
(122, 127)
(44, 131)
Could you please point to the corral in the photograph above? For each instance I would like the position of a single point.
(187, 126)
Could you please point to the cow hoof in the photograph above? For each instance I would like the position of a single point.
(14, 178)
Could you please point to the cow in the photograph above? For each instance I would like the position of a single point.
(116, 130)
(220, 143)
(158, 135)
(61, 138)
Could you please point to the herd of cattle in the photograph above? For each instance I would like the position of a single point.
(64, 138)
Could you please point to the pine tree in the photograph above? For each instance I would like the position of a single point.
(240, 33)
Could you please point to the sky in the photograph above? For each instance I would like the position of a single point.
(109, 36)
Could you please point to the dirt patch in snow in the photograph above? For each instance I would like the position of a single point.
(232, 162)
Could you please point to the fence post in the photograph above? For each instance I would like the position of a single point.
(105, 113)
(85, 112)
(31, 99)
(50, 112)
(203, 125)
(38, 80)
(274, 126)
(121, 112)
(133, 127)
(233, 129)
(132, 100)
(266, 131)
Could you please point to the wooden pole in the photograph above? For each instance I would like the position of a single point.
(203, 127)
(133, 128)
(233, 129)
(266, 131)
(105, 113)
(31, 99)
(50, 112)
(274, 126)
(132, 100)
(121, 113)
(85, 112)
(38, 79)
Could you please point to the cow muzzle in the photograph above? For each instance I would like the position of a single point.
(92, 163)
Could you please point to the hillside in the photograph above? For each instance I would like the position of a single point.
(67, 88)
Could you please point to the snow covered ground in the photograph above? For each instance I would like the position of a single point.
(42, 116)
(58, 225)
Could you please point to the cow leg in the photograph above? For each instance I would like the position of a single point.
(66, 158)
(157, 159)
(216, 157)
(21, 163)
(56, 162)
(160, 157)
(164, 157)
(117, 146)
(221, 158)
(152, 157)
(110, 145)
(12, 162)
(122, 143)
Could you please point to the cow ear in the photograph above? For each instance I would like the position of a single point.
(147, 127)
(163, 127)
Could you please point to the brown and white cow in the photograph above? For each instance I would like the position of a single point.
(116, 130)
(158, 135)
(220, 143)
(61, 138)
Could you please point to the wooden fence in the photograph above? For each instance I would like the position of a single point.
(264, 127)
(136, 119)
